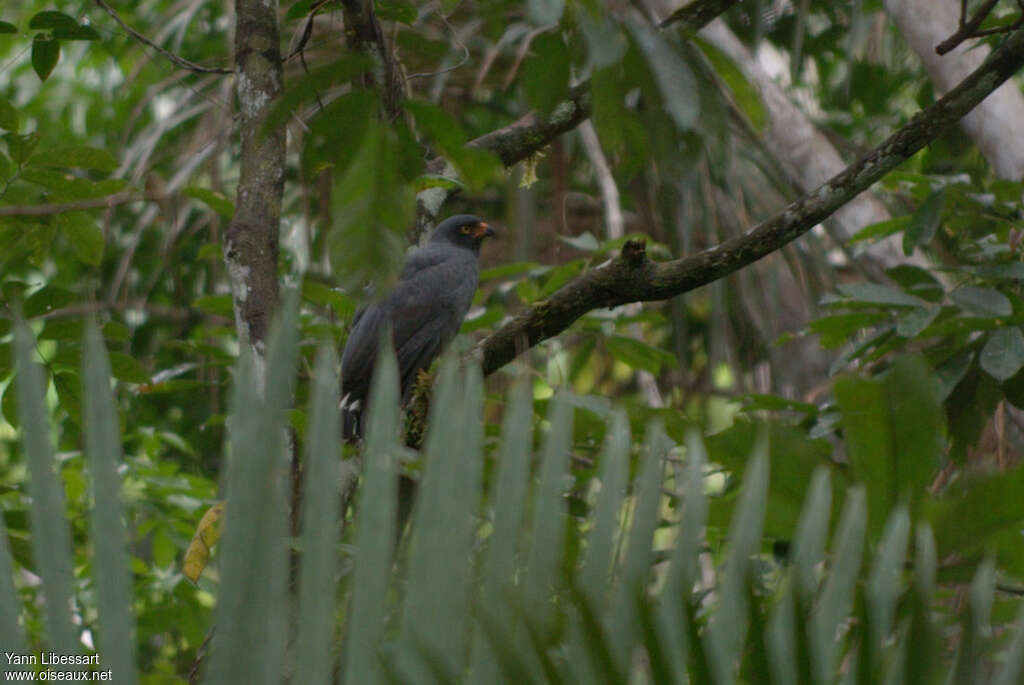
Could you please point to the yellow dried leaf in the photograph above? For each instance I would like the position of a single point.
(207, 533)
(529, 176)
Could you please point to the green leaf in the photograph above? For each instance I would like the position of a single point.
(85, 236)
(253, 593)
(811, 534)
(299, 9)
(401, 11)
(883, 584)
(877, 294)
(639, 354)
(75, 156)
(62, 329)
(547, 541)
(913, 322)
(437, 592)
(367, 615)
(584, 241)
(546, 72)
(373, 208)
(212, 199)
(308, 89)
(50, 535)
(837, 329)
(213, 252)
(19, 146)
(543, 12)
(728, 629)
(893, 427)
(622, 135)
(66, 186)
(322, 294)
(605, 43)
(508, 492)
(320, 516)
(982, 301)
(684, 570)
(442, 130)
(968, 519)
(45, 54)
(112, 574)
(62, 26)
(951, 371)
(6, 27)
(81, 32)
(745, 93)
(10, 606)
(1012, 271)
(1013, 667)
(116, 331)
(1003, 354)
(126, 368)
(917, 281)
(676, 82)
(880, 230)
(924, 222)
(220, 305)
(838, 594)
(10, 118)
(52, 21)
(597, 566)
(9, 404)
(793, 459)
(46, 299)
(637, 560)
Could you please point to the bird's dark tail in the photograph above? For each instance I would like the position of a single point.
(351, 419)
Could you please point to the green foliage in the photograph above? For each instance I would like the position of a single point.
(87, 113)
(517, 601)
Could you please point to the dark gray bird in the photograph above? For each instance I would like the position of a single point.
(424, 310)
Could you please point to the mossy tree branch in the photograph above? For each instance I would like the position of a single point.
(632, 277)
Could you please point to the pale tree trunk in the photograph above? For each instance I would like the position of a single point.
(803, 151)
(995, 124)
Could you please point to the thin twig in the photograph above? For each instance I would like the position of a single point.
(457, 65)
(967, 28)
(170, 56)
(307, 30)
(105, 202)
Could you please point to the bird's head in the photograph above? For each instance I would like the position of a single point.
(464, 230)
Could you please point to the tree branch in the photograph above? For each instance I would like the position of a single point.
(170, 56)
(698, 14)
(105, 202)
(251, 240)
(364, 34)
(632, 277)
(967, 27)
(531, 133)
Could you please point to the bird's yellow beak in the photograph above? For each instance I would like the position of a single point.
(482, 230)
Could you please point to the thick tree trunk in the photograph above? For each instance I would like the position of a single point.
(251, 241)
(803, 151)
(995, 124)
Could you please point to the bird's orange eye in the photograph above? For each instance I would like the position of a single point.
(465, 229)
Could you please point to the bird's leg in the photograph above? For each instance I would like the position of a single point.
(417, 406)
